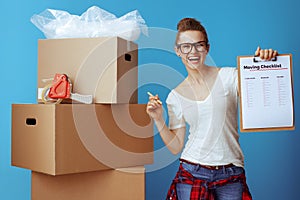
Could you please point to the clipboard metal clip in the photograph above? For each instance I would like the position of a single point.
(258, 59)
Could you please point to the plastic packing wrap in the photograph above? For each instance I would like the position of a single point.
(95, 22)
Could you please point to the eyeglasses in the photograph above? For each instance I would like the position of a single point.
(187, 47)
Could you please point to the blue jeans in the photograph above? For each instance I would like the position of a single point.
(231, 191)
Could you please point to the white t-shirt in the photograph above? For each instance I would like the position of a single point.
(213, 136)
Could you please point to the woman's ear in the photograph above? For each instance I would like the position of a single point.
(177, 51)
(207, 48)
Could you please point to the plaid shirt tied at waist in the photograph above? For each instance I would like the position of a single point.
(200, 188)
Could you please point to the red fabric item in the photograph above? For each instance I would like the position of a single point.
(199, 191)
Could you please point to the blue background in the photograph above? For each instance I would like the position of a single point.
(234, 27)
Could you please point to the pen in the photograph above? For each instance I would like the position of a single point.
(151, 95)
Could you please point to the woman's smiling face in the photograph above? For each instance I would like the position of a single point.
(192, 48)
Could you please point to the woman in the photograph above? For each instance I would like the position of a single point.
(211, 163)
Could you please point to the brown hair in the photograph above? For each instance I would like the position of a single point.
(191, 24)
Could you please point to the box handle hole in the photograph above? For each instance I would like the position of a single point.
(31, 121)
(127, 57)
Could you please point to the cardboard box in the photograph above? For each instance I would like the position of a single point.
(104, 67)
(73, 138)
(123, 184)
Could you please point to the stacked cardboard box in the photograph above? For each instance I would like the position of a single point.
(86, 151)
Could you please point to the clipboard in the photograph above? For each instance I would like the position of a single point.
(266, 94)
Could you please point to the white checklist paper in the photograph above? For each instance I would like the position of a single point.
(266, 95)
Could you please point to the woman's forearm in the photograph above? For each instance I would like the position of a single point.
(172, 138)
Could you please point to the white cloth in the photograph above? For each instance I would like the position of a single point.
(213, 136)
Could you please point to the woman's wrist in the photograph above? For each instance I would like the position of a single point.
(160, 123)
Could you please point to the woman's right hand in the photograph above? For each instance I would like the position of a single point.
(154, 107)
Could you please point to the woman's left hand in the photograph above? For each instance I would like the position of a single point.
(266, 54)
